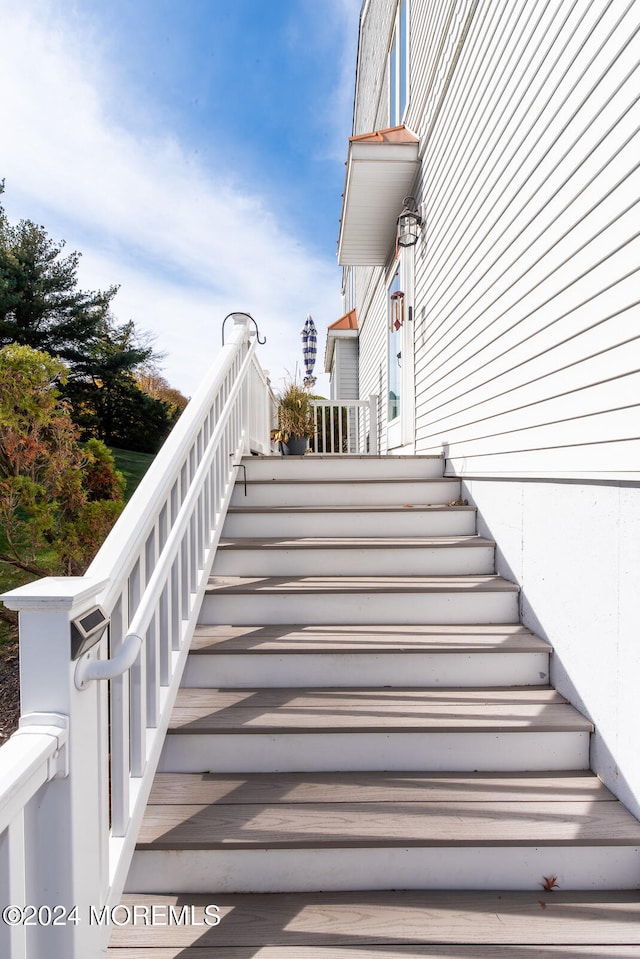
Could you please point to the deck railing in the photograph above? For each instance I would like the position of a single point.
(345, 426)
(75, 778)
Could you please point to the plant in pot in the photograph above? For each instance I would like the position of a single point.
(295, 420)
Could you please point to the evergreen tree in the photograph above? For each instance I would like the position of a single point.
(42, 308)
(106, 399)
(40, 304)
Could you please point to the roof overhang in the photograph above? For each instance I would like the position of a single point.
(381, 170)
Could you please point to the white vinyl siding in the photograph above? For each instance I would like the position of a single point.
(435, 37)
(528, 333)
(373, 354)
(371, 107)
(345, 383)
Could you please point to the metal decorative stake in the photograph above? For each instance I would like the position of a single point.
(249, 317)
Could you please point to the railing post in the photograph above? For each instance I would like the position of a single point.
(67, 829)
(373, 424)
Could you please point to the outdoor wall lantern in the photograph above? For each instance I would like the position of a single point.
(409, 223)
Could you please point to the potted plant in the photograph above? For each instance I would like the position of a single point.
(295, 420)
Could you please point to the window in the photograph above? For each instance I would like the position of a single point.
(349, 289)
(399, 67)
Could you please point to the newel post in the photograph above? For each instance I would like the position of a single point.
(373, 423)
(67, 823)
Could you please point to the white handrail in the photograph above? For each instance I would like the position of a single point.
(89, 669)
(149, 577)
(25, 764)
(33, 756)
(109, 669)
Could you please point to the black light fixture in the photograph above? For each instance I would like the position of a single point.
(409, 223)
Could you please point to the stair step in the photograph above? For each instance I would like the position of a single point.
(359, 520)
(352, 467)
(366, 656)
(357, 729)
(437, 639)
(307, 710)
(384, 492)
(390, 925)
(377, 787)
(410, 832)
(366, 825)
(356, 556)
(259, 600)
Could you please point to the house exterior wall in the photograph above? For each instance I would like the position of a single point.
(346, 368)
(528, 343)
(370, 108)
(526, 324)
(573, 548)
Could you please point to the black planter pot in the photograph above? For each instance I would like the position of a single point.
(297, 446)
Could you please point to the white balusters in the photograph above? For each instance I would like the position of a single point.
(345, 426)
(149, 576)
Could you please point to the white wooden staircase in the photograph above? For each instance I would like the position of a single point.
(367, 734)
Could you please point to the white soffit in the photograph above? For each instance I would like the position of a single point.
(381, 170)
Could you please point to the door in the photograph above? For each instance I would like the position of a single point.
(400, 355)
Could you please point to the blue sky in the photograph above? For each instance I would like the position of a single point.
(193, 151)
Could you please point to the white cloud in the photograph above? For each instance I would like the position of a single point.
(186, 244)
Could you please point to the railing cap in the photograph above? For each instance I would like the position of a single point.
(54, 593)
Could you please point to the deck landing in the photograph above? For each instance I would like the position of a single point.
(392, 925)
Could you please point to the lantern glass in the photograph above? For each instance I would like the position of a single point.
(408, 224)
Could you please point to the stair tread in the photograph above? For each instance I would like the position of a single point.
(511, 638)
(440, 921)
(363, 508)
(323, 585)
(365, 787)
(349, 709)
(366, 458)
(385, 952)
(349, 481)
(354, 542)
(285, 825)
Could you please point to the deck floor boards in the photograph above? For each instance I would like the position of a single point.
(478, 923)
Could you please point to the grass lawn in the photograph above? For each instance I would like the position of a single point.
(133, 466)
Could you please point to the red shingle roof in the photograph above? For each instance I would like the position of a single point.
(346, 322)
